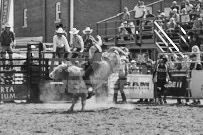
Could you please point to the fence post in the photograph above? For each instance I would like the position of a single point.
(105, 29)
(28, 69)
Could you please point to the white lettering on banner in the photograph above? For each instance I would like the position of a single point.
(174, 85)
(139, 92)
(7, 92)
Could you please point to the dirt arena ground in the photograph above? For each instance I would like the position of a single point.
(100, 119)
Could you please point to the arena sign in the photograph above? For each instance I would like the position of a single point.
(139, 86)
(197, 84)
(177, 85)
(13, 92)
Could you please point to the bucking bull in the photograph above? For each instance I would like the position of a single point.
(72, 75)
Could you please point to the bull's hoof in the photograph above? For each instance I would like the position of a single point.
(70, 111)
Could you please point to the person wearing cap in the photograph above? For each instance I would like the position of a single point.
(88, 39)
(133, 67)
(7, 40)
(78, 43)
(60, 43)
(122, 79)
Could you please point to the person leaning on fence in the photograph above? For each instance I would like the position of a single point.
(88, 39)
(133, 68)
(78, 43)
(119, 85)
(60, 43)
(161, 78)
(7, 40)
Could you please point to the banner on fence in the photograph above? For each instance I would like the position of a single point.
(139, 86)
(178, 84)
(13, 92)
(197, 84)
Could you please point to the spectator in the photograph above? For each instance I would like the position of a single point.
(60, 43)
(194, 40)
(149, 63)
(126, 15)
(175, 15)
(197, 25)
(175, 6)
(78, 44)
(148, 16)
(182, 5)
(198, 5)
(88, 39)
(185, 63)
(184, 17)
(195, 65)
(188, 6)
(186, 67)
(123, 33)
(196, 51)
(7, 40)
(133, 67)
(139, 12)
(171, 25)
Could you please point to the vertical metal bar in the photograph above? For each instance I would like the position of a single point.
(115, 33)
(105, 29)
(28, 70)
(97, 28)
(135, 22)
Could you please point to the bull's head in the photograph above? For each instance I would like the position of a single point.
(65, 72)
(60, 72)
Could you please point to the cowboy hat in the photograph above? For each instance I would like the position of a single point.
(87, 29)
(133, 61)
(60, 30)
(7, 25)
(74, 31)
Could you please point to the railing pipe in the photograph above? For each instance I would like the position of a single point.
(129, 11)
(171, 42)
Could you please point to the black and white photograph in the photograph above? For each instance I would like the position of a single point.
(101, 67)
